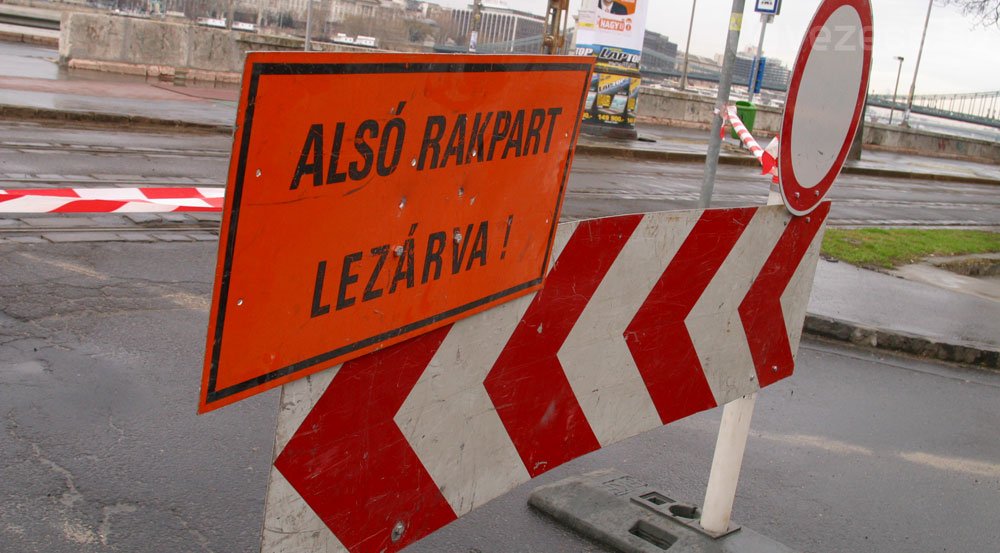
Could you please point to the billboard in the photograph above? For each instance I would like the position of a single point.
(612, 31)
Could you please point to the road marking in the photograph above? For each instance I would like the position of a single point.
(816, 442)
(953, 464)
(66, 266)
(950, 464)
(185, 300)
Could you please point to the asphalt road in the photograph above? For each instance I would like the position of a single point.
(100, 360)
(33, 155)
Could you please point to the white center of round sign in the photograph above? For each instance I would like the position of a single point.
(825, 102)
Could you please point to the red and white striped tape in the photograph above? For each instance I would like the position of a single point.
(111, 200)
(768, 157)
(741, 130)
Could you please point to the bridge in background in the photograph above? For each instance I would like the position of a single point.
(982, 108)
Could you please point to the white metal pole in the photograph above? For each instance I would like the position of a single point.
(687, 47)
(752, 81)
(721, 493)
(892, 109)
(734, 429)
(920, 53)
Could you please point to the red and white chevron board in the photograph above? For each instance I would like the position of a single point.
(110, 200)
(643, 320)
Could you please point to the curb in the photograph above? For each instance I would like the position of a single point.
(28, 38)
(747, 161)
(891, 340)
(659, 155)
(46, 114)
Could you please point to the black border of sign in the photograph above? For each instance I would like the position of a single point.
(262, 69)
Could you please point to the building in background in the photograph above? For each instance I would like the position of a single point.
(658, 53)
(405, 25)
(776, 75)
(502, 30)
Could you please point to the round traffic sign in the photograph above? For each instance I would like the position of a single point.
(826, 99)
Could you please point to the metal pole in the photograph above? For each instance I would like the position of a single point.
(477, 18)
(733, 431)
(913, 87)
(309, 14)
(687, 47)
(892, 109)
(725, 84)
(754, 67)
(565, 23)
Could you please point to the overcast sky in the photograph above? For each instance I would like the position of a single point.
(957, 57)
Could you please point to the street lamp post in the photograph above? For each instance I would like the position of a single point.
(309, 13)
(892, 109)
(913, 87)
(687, 47)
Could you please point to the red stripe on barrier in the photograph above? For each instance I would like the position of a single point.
(761, 312)
(50, 192)
(171, 193)
(352, 465)
(527, 384)
(658, 337)
(91, 206)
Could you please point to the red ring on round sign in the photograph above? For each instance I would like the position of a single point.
(799, 199)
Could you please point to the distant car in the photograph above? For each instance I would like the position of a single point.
(245, 27)
(216, 22)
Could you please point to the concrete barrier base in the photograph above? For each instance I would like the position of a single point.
(622, 512)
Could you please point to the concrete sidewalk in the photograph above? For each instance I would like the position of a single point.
(885, 311)
(850, 304)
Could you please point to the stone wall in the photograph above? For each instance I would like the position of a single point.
(153, 47)
(898, 139)
(688, 109)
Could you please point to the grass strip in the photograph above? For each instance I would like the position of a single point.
(888, 247)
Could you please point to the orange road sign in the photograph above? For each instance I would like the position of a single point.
(375, 197)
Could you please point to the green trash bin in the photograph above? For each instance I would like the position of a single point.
(747, 113)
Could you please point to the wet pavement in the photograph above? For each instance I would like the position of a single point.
(986, 287)
(30, 77)
(856, 453)
(935, 311)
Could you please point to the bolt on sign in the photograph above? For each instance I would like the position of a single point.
(375, 197)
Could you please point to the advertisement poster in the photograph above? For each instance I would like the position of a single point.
(613, 31)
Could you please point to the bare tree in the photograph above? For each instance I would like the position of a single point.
(986, 12)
